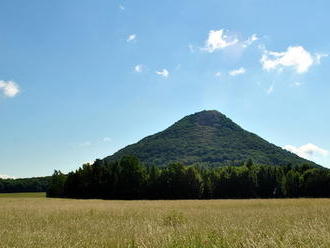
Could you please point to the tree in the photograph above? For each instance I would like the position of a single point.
(292, 184)
(249, 163)
(56, 187)
(194, 183)
(131, 178)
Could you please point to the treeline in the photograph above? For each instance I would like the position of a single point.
(129, 179)
(35, 184)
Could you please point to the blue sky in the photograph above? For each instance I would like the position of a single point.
(81, 79)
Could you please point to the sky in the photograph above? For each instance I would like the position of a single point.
(81, 79)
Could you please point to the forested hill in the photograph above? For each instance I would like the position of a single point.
(207, 138)
(34, 184)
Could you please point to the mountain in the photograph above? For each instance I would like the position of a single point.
(210, 138)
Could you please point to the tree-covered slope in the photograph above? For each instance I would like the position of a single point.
(209, 138)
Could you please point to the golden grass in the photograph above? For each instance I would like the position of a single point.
(42, 222)
(23, 195)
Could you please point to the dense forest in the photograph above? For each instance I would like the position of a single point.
(127, 178)
(35, 184)
(207, 138)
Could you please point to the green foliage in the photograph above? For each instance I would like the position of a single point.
(130, 179)
(249, 163)
(56, 187)
(35, 184)
(207, 138)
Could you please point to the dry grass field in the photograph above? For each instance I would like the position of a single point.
(35, 221)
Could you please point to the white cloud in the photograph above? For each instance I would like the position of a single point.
(7, 177)
(217, 40)
(138, 68)
(9, 88)
(221, 39)
(131, 37)
(237, 72)
(295, 57)
(308, 151)
(163, 73)
(121, 7)
(250, 40)
(106, 139)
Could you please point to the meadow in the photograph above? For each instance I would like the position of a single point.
(31, 220)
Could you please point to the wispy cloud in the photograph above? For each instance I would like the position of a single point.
(138, 68)
(270, 89)
(191, 48)
(218, 74)
(319, 56)
(7, 177)
(131, 37)
(250, 40)
(308, 151)
(107, 139)
(237, 72)
(85, 144)
(9, 88)
(121, 7)
(164, 73)
(296, 84)
(295, 57)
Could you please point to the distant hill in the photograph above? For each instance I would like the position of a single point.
(208, 138)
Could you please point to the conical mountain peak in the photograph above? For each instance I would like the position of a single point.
(207, 137)
(211, 118)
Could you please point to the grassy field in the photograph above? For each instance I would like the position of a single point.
(35, 221)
